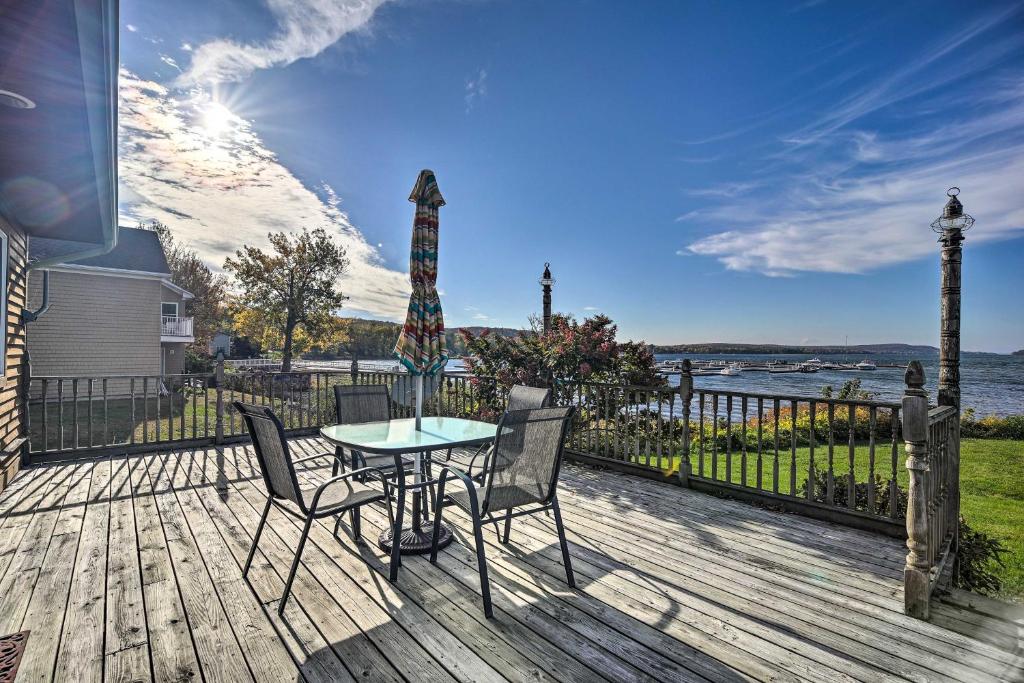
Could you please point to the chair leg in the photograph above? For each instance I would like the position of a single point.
(396, 537)
(569, 577)
(481, 560)
(256, 537)
(295, 564)
(438, 505)
(508, 530)
(356, 530)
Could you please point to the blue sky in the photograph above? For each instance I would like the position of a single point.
(699, 171)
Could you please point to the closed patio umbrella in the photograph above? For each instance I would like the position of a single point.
(421, 347)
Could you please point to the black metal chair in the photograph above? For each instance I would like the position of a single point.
(520, 478)
(334, 496)
(361, 403)
(520, 397)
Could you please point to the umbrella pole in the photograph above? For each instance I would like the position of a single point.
(418, 477)
(419, 402)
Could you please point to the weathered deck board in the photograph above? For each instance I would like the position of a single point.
(129, 569)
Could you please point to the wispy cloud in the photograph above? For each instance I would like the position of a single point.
(842, 195)
(590, 308)
(186, 47)
(305, 29)
(476, 88)
(219, 187)
(170, 61)
(132, 28)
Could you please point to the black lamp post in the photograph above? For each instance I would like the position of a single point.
(545, 283)
(951, 226)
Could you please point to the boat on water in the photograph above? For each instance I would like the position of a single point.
(731, 370)
(866, 365)
(810, 367)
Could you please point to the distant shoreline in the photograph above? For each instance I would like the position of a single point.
(860, 349)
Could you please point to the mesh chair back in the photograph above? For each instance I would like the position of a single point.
(521, 397)
(268, 440)
(362, 403)
(526, 459)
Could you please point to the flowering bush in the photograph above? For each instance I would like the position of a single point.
(571, 352)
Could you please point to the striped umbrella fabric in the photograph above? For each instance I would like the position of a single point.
(421, 347)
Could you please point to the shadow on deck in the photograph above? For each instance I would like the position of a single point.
(130, 569)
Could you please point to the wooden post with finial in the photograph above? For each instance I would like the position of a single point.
(916, 574)
(686, 396)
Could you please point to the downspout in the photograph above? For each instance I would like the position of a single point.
(32, 316)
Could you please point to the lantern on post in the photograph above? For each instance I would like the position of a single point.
(545, 283)
(951, 226)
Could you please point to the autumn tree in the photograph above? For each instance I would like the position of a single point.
(291, 287)
(189, 272)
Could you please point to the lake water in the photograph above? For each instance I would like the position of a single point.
(991, 384)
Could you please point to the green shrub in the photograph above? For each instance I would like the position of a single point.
(883, 489)
(991, 427)
(979, 560)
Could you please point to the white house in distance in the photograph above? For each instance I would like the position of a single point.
(112, 315)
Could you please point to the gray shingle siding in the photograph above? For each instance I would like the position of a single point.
(96, 325)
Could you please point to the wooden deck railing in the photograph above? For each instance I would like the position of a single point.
(932, 438)
(835, 459)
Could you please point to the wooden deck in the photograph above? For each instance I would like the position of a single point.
(129, 569)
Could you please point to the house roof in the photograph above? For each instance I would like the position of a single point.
(137, 250)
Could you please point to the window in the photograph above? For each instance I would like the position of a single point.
(169, 309)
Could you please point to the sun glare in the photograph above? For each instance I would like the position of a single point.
(216, 119)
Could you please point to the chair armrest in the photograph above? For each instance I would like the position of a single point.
(456, 474)
(487, 453)
(341, 477)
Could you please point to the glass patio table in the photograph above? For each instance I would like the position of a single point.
(400, 437)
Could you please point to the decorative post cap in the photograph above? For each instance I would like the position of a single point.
(687, 366)
(914, 377)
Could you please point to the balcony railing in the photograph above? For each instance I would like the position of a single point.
(173, 326)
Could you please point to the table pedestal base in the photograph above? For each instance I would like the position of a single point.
(416, 542)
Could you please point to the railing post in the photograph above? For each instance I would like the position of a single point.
(219, 381)
(916, 574)
(686, 396)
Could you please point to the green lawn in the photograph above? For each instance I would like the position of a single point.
(992, 500)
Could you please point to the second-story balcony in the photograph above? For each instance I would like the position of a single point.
(174, 328)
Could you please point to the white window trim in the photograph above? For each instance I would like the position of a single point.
(169, 303)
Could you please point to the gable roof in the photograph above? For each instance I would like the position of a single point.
(137, 250)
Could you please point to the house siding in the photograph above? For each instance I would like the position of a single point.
(12, 429)
(97, 325)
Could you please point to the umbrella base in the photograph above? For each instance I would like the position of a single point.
(416, 542)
